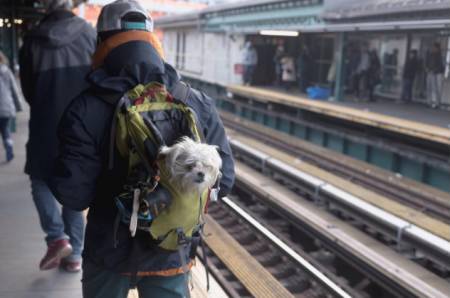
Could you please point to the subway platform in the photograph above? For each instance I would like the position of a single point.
(22, 240)
(411, 111)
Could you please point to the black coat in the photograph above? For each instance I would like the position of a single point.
(54, 60)
(412, 67)
(82, 178)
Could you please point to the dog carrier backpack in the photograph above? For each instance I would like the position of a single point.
(148, 117)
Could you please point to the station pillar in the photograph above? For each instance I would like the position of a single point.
(340, 64)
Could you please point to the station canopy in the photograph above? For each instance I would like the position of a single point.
(335, 10)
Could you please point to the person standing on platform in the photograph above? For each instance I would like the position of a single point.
(435, 69)
(360, 76)
(410, 70)
(10, 103)
(288, 75)
(250, 59)
(303, 65)
(279, 52)
(54, 60)
(87, 175)
(373, 74)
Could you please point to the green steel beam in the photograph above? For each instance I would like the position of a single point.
(300, 14)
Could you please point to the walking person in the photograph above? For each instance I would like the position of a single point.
(91, 170)
(54, 60)
(250, 60)
(10, 103)
(410, 70)
(434, 67)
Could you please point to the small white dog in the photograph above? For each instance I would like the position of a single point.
(192, 166)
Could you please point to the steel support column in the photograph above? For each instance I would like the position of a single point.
(340, 58)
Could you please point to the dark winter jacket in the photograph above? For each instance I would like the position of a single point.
(412, 67)
(82, 178)
(434, 63)
(54, 61)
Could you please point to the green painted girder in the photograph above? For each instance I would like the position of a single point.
(295, 16)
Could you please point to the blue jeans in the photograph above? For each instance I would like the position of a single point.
(68, 224)
(6, 137)
(407, 90)
(100, 283)
(248, 73)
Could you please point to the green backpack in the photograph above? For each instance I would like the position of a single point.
(148, 117)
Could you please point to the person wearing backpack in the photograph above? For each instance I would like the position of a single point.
(104, 141)
(54, 59)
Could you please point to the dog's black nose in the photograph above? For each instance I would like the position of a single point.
(201, 175)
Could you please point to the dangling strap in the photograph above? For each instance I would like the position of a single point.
(134, 214)
(181, 91)
(205, 260)
(116, 229)
(182, 242)
(155, 131)
(197, 124)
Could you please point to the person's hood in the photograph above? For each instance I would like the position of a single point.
(130, 64)
(59, 28)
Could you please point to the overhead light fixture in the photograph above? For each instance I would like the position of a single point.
(278, 33)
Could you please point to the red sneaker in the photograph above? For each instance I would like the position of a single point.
(56, 251)
(70, 266)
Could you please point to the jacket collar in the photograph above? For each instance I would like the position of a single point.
(130, 64)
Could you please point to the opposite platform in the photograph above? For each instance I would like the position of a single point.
(417, 128)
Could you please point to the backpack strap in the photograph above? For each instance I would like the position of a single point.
(112, 135)
(109, 96)
(181, 91)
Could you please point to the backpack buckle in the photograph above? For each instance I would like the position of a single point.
(182, 239)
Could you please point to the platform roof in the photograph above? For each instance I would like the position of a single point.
(317, 16)
(250, 16)
(343, 10)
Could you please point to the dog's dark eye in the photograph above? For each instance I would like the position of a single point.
(190, 166)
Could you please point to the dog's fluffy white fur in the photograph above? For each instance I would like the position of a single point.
(192, 166)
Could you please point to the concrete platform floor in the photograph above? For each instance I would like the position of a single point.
(410, 111)
(22, 241)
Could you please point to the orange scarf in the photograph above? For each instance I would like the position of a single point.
(118, 39)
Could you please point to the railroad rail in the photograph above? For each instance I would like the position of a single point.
(416, 195)
(400, 231)
(248, 260)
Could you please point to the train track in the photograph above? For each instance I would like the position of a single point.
(278, 242)
(402, 235)
(416, 198)
(301, 274)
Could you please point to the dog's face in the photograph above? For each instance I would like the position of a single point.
(192, 165)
